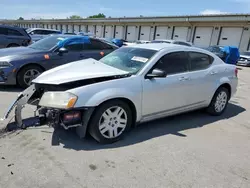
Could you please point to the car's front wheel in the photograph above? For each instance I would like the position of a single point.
(110, 121)
(27, 74)
(219, 102)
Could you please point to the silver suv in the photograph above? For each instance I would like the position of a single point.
(13, 37)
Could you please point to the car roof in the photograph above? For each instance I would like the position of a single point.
(159, 46)
(166, 46)
(11, 27)
(32, 29)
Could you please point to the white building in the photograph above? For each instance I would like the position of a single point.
(201, 30)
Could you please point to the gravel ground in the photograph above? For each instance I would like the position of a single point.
(189, 150)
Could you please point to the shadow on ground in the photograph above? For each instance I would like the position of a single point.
(6, 88)
(143, 132)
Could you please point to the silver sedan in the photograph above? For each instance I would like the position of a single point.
(131, 85)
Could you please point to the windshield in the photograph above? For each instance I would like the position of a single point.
(128, 59)
(245, 53)
(47, 43)
(28, 30)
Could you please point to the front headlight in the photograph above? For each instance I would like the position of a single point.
(5, 64)
(62, 100)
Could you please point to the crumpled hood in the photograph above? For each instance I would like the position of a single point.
(78, 70)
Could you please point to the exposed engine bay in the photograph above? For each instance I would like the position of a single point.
(56, 117)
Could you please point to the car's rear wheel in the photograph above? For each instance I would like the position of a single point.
(110, 121)
(219, 102)
(12, 45)
(27, 74)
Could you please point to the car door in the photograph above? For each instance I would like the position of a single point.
(74, 51)
(96, 49)
(168, 94)
(15, 37)
(3, 37)
(202, 78)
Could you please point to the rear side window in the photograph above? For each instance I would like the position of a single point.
(173, 63)
(199, 61)
(3, 31)
(96, 45)
(13, 32)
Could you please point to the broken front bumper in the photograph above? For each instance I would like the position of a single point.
(50, 116)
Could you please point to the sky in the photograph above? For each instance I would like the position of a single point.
(47, 9)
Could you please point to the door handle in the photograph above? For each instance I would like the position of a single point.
(184, 78)
(82, 56)
(213, 72)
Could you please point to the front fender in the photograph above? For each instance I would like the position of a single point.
(108, 94)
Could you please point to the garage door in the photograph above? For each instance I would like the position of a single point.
(145, 33)
(64, 28)
(180, 33)
(119, 32)
(202, 36)
(54, 26)
(76, 28)
(108, 32)
(91, 29)
(230, 36)
(161, 32)
(99, 32)
(83, 28)
(131, 33)
(70, 28)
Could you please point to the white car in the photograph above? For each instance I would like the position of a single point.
(179, 42)
(131, 85)
(244, 59)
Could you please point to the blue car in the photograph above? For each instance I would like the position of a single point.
(117, 42)
(21, 65)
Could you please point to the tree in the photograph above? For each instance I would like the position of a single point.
(20, 18)
(100, 15)
(75, 17)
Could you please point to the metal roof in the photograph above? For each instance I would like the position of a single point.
(178, 18)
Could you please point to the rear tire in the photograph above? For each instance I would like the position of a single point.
(110, 121)
(27, 74)
(12, 45)
(219, 102)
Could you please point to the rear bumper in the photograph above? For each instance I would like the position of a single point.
(234, 85)
(8, 76)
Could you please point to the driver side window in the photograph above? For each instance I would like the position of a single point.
(173, 63)
(75, 47)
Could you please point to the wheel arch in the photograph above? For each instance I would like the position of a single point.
(27, 65)
(227, 86)
(127, 101)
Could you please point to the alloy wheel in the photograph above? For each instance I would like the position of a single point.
(113, 122)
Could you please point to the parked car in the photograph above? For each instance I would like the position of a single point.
(69, 33)
(130, 85)
(86, 34)
(13, 37)
(40, 33)
(244, 59)
(217, 50)
(143, 42)
(117, 42)
(172, 42)
(21, 65)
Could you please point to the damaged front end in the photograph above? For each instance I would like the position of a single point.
(47, 112)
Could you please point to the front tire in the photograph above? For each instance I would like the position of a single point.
(219, 102)
(27, 74)
(110, 121)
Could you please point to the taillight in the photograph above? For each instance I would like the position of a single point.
(236, 72)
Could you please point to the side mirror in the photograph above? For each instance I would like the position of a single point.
(62, 51)
(156, 73)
